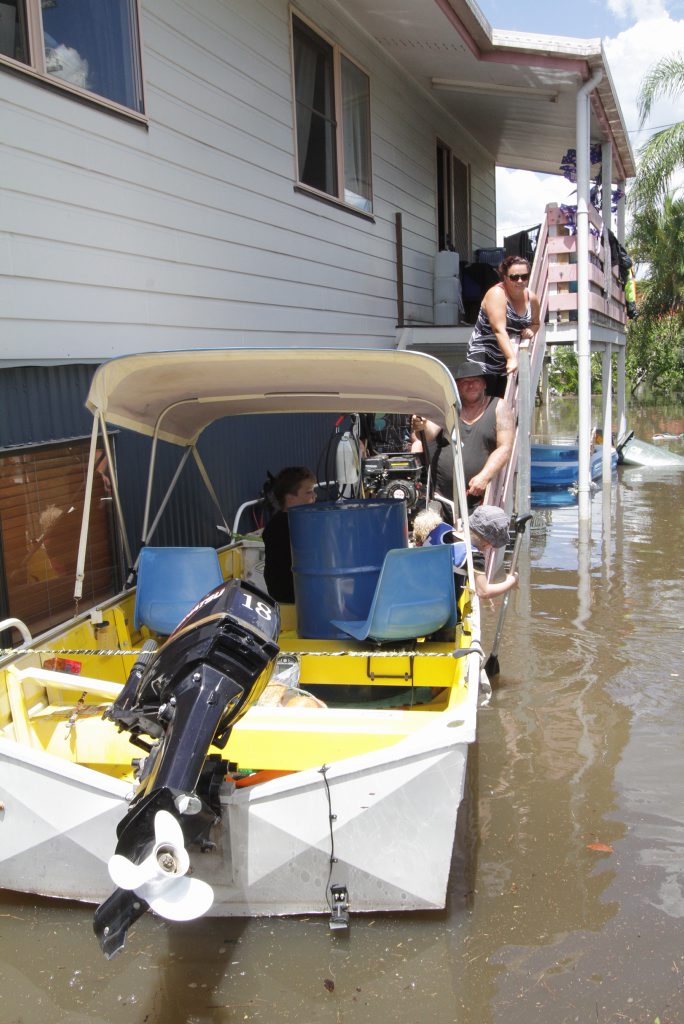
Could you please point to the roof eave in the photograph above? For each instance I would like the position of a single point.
(581, 56)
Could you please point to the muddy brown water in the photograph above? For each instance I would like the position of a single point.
(566, 902)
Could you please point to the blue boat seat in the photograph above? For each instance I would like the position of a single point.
(414, 596)
(170, 582)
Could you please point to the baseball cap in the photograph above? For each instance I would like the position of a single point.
(491, 523)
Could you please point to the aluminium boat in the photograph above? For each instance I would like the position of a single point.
(142, 768)
(632, 451)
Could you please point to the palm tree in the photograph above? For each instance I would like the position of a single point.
(655, 342)
(657, 243)
(663, 154)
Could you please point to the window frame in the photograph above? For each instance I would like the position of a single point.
(35, 67)
(338, 52)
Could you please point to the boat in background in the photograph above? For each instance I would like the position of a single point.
(555, 464)
(635, 452)
(194, 772)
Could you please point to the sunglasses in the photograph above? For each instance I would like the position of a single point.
(518, 277)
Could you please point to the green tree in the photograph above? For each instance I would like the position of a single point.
(655, 342)
(657, 243)
(655, 354)
(564, 371)
(663, 155)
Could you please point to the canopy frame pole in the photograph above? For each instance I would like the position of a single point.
(99, 426)
(85, 517)
(115, 489)
(459, 491)
(147, 537)
(210, 488)
(153, 460)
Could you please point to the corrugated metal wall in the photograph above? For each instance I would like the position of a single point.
(237, 453)
(46, 403)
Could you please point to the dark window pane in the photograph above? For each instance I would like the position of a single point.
(316, 161)
(13, 30)
(461, 208)
(315, 109)
(445, 198)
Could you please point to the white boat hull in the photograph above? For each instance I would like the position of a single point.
(57, 823)
(640, 453)
(394, 817)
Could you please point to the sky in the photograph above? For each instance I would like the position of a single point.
(635, 34)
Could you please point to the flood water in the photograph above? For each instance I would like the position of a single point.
(566, 901)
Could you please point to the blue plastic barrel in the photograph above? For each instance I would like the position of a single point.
(337, 552)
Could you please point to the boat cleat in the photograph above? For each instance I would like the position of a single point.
(339, 916)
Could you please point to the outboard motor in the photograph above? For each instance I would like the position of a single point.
(184, 697)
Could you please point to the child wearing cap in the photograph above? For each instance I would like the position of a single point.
(488, 528)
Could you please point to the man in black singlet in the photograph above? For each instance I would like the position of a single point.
(487, 432)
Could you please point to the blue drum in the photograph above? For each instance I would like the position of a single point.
(337, 552)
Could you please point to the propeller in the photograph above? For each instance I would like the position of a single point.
(161, 879)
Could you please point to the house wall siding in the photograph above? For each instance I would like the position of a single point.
(120, 238)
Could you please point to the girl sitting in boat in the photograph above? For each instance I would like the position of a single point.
(294, 485)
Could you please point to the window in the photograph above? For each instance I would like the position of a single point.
(42, 493)
(87, 45)
(332, 97)
(453, 201)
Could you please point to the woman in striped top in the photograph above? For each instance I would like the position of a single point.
(509, 314)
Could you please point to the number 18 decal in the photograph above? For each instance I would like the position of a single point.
(260, 607)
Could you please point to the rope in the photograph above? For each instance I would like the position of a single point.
(66, 650)
(459, 652)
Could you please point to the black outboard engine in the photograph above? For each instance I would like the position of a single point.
(184, 697)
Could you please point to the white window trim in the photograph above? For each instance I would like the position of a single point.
(338, 53)
(36, 69)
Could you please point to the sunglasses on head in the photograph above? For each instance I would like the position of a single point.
(518, 277)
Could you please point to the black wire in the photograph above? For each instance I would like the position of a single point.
(327, 457)
(322, 470)
(331, 817)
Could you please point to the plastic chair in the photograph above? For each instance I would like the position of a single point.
(170, 582)
(414, 596)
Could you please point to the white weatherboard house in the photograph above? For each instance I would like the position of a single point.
(209, 174)
(205, 173)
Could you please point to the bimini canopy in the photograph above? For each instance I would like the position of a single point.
(181, 393)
